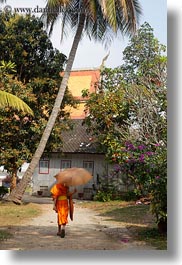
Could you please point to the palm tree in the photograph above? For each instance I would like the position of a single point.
(100, 20)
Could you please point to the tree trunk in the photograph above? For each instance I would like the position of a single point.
(13, 178)
(17, 194)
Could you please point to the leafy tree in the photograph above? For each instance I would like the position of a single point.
(99, 19)
(107, 112)
(137, 141)
(135, 107)
(21, 133)
(147, 86)
(14, 123)
(144, 59)
(31, 50)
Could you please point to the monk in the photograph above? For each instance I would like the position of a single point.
(60, 194)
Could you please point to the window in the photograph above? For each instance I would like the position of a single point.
(44, 188)
(65, 164)
(89, 165)
(44, 167)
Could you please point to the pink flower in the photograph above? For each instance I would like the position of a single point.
(142, 157)
(125, 240)
(141, 147)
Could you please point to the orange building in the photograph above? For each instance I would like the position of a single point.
(78, 81)
(79, 148)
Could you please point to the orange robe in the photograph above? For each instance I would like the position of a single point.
(59, 192)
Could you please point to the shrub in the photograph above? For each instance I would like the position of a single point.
(3, 191)
(146, 166)
(129, 196)
(103, 196)
(158, 187)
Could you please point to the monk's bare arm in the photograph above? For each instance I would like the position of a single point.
(71, 193)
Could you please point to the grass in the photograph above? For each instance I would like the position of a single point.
(136, 218)
(152, 237)
(4, 235)
(12, 215)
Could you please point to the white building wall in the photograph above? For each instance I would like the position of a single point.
(45, 181)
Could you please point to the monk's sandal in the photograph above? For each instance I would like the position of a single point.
(62, 233)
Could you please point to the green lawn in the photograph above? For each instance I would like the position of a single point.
(12, 214)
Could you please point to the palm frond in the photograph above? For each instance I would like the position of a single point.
(124, 7)
(9, 100)
(103, 18)
(109, 11)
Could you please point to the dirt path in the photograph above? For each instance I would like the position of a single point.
(86, 232)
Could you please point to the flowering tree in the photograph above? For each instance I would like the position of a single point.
(129, 117)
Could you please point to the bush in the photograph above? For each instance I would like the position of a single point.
(146, 166)
(129, 196)
(103, 196)
(3, 191)
(158, 187)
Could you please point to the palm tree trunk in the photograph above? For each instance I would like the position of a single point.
(17, 194)
(13, 178)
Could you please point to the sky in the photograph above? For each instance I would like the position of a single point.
(89, 53)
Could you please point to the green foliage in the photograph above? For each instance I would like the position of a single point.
(145, 169)
(102, 19)
(15, 123)
(9, 100)
(107, 114)
(158, 188)
(128, 115)
(3, 191)
(103, 196)
(144, 58)
(24, 42)
(7, 67)
(4, 235)
(106, 196)
(129, 196)
(153, 237)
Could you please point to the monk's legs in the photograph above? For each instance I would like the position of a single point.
(63, 230)
(59, 230)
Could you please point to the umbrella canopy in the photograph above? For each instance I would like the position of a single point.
(73, 176)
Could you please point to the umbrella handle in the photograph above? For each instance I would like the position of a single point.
(73, 192)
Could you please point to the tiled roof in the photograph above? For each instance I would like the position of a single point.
(78, 140)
